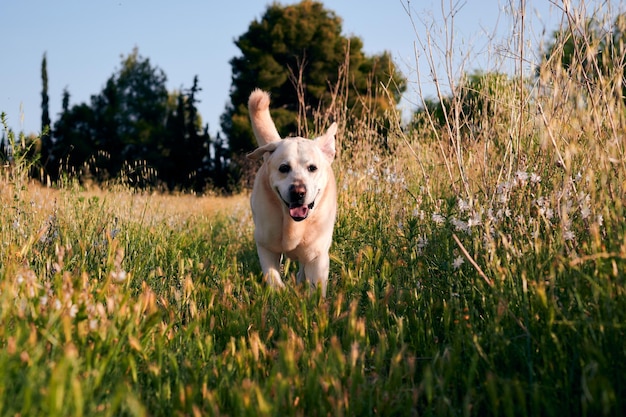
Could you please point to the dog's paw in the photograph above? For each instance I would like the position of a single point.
(273, 280)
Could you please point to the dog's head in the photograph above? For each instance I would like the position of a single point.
(299, 170)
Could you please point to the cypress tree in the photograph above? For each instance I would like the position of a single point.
(46, 124)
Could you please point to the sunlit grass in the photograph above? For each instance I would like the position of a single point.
(472, 273)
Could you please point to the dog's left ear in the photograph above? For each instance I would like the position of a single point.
(259, 152)
(326, 142)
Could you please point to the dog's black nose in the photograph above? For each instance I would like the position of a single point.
(297, 192)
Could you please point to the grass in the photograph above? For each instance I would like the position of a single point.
(473, 272)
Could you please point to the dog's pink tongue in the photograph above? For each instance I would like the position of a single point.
(299, 212)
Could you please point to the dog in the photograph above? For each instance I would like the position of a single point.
(294, 198)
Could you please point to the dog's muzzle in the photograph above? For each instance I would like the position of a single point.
(297, 209)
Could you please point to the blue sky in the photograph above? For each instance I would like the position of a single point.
(84, 42)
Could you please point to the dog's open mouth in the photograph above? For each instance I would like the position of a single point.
(299, 212)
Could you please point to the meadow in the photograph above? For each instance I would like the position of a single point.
(478, 268)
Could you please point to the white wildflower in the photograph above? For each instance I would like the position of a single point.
(458, 261)
(600, 220)
(438, 218)
(119, 276)
(585, 212)
(541, 201)
(535, 178)
(460, 225)
(463, 205)
(568, 235)
(474, 220)
(521, 176)
(502, 188)
(73, 310)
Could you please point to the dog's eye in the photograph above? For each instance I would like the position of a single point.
(312, 168)
(284, 168)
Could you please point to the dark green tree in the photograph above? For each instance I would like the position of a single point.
(136, 130)
(131, 112)
(296, 53)
(46, 123)
(122, 124)
(74, 138)
(185, 142)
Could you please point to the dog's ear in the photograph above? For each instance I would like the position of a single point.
(326, 142)
(259, 152)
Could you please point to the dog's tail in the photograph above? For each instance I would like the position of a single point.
(262, 123)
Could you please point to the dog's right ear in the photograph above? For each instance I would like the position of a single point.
(261, 151)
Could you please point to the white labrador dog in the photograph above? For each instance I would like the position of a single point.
(294, 198)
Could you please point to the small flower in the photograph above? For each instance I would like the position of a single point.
(585, 211)
(458, 261)
(438, 218)
(463, 205)
(600, 219)
(535, 178)
(460, 225)
(119, 276)
(93, 324)
(521, 176)
(475, 220)
(568, 235)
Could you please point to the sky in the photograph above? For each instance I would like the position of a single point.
(84, 42)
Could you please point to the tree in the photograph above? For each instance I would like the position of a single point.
(296, 53)
(185, 142)
(122, 124)
(46, 123)
(135, 129)
(591, 54)
(479, 100)
(74, 138)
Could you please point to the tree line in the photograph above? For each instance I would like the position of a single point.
(137, 131)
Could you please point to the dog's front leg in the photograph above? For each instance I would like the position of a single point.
(316, 272)
(270, 264)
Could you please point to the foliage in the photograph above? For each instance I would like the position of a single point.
(137, 131)
(46, 123)
(297, 52)
(593, 53)
(479, 100)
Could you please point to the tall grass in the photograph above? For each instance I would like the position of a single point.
(477, 269)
